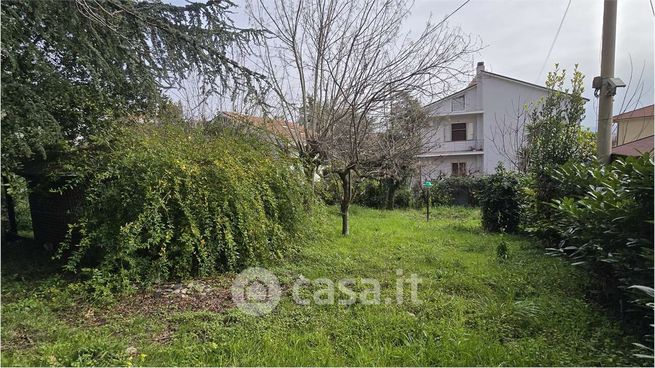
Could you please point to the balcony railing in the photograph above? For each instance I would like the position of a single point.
(458, 146)
(447, 111)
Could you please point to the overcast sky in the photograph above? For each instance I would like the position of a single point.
(518, 33)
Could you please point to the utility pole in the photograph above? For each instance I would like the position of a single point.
(607, 89)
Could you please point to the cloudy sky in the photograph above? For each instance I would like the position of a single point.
(518, 33)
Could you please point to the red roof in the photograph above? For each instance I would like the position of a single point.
(639, 113)
(280, 128)
(635, 148)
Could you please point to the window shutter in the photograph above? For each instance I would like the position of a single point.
(447, 133)
(469, 131)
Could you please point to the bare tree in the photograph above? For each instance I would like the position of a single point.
(407, 133)
(334, 66)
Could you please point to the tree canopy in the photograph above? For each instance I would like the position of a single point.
(71, 67)
(554, 134)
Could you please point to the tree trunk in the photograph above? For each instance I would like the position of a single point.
(345, 201)
(391, 193)
(12, 230)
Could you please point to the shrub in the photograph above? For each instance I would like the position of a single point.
(448, 191)
(16, 187)
(439, 195)
(162, 203)
(328, 190)
(373, 193)
(370, 193)
(404, 198)
(500, 201)
(605, 223)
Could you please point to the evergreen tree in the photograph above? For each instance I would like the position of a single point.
(69, 68)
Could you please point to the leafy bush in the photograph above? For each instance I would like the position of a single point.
(454, 190)
(373, 193)
(500, 201)
(328, 190)
(448, 191)
(605, 223)
(370, 193)
(554, 137)
(17, 188)
(162, 203)
(404, 198)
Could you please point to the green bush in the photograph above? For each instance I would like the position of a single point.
(448, 191)
(17, 188)
(328, 190)
(439, 195)
(370, 193)
(404, 198)
(163, 203)
(500, 201)
(373, 193)
(605, 224)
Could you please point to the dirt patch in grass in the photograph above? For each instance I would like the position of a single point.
(210, 295)
(20, 339)
(206, 295)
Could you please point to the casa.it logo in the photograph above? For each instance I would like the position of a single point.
(256, 291)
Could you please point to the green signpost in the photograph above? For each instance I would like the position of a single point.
(427, 185)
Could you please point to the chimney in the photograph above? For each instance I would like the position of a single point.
(480, 67)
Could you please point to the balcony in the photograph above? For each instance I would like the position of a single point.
(447, 111)
(470, 147)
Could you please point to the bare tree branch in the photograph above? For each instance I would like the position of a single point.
(335, 66)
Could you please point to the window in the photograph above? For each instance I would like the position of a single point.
(458, 132)
(458, 103)
(459, 169)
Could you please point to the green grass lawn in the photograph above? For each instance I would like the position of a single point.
(476, 309)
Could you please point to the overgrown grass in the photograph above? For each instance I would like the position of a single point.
(527, 310)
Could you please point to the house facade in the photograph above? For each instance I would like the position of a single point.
(633, 125)
(477, 127)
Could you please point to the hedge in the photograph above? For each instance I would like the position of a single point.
(163, 203)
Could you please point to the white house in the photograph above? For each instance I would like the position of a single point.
(476, 128)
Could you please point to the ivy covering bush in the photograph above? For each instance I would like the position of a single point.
(605, 224)
(500, 201)
(164, 203)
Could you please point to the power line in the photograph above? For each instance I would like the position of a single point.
(454, 11)
(552, 45)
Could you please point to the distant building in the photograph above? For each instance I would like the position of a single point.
(479, 126)
(633, 125)
(268, 128)
(634, 148)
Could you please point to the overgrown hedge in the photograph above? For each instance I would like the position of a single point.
(600, 216)
(164, 203)
(605, 224)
